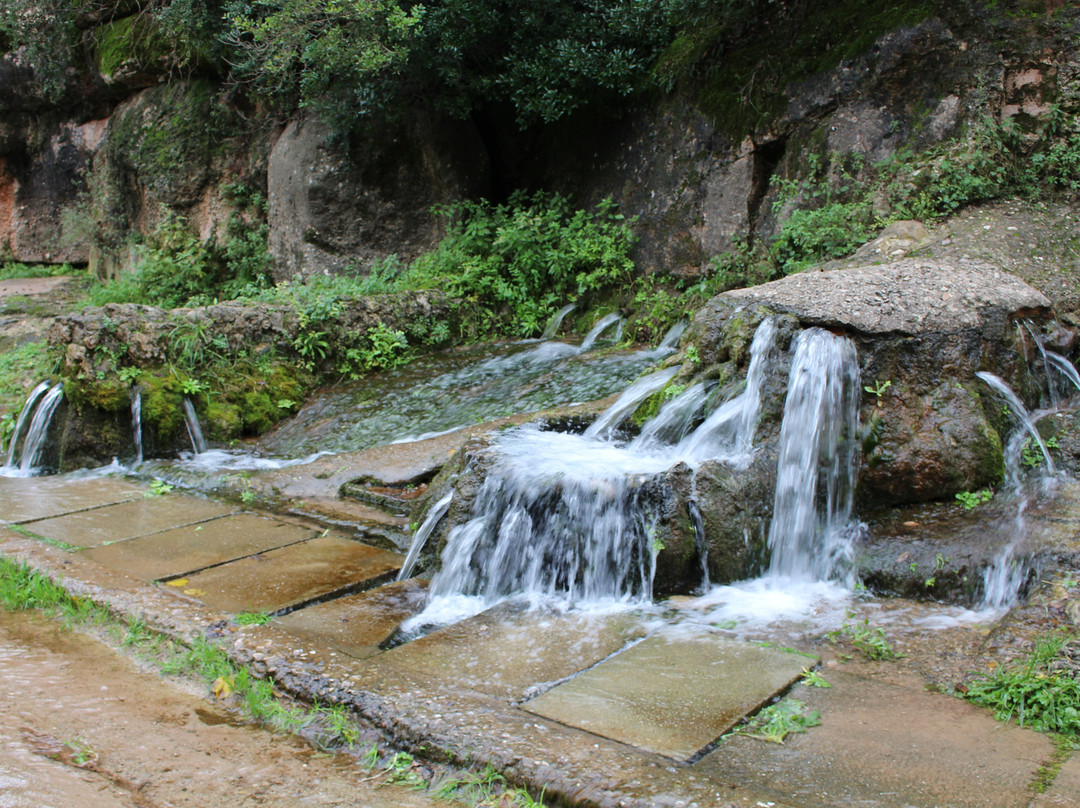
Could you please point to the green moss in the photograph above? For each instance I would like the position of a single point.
(134, 41)
(162, 405)
(110, 394)
(223, 421)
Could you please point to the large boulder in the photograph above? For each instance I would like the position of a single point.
(923, 329)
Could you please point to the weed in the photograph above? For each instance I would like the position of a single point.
(878, 388)
(157, 488)
(812, 678)
(869, 640)
(1031, 455)
(777, 721)
(972, 499)
(252, 618)
(1036, 692)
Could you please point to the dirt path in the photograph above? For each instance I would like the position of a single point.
(81, 726)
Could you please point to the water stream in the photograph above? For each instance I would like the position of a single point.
(136, 424)
(194, 429)
(43, 406)
(25, 413)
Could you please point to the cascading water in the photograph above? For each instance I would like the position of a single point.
(191, 419)
(602, 325)
(26, 411)
(136, 423)
(702, 544)
(556, 321)
(674, 420)
(561, 515)
(605, 426)
(43, 407)
(438, 510)
(811, 533)
(1007, 572)
(728, 433)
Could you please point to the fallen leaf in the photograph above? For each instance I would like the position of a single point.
(911, 524)
(196, 592)
(903, 557)
(177, 582)
(222, 688)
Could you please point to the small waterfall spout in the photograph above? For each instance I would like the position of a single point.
(42, 407)
(728, 433)
(191, 418)
(811, 532)
(673, 421)
(136, 423)
(438, 510)
(602, 325)
(1021, 413)
(605, 425)
(26, 411)
(702, 543)
(556, 321)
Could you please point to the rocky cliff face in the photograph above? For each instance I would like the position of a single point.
(127, 143)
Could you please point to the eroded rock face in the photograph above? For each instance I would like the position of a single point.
(333, 205)
(930, 427)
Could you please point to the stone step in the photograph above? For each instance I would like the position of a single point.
(128, 520)
(186, 550)
(357, 624)
(885, 745)
(511, 653)
(673, 693)
(24, 499)
(289, 577)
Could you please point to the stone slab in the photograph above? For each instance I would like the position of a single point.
(185, 550)
(357, 624)
(513, 653)
(672, 694)
(127, 520)
(23, 499)
(290, 576)
(882, 745)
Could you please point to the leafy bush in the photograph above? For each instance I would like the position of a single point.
(521, 261)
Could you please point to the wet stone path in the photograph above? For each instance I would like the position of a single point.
(608, 709)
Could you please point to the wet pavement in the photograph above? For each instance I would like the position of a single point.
(594, 709)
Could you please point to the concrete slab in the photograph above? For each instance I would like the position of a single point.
(184, 550)
(23, 499)
(673, 695)
(880, 745)
(357, 624)
(511, 653)
(1064, 792)
(290, 576)
(127, 520)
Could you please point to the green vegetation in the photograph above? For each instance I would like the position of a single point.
(1039, 692)
(14, 269)
(973, 499)
(869, 640)
(777, 721)
(1031, 455)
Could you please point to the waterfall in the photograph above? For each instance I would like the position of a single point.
(671, 424)
(601, 326)
(43, 407)
(557, 515)
(604, 426)
(556, 321)
(702, 544)
(561, 515)
(438, 510)
(671, 339)
(24, 413)
(1004, 577)
(191, 418)
(811, 533)
(1020, 411)
(136, 423)
(728, 433)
